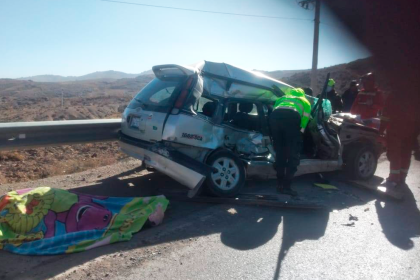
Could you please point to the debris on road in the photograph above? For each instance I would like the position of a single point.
(353, 218)
(48, 221)
(326, 186)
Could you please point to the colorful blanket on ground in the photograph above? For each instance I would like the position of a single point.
(47, 221)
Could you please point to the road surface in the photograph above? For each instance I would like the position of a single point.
(207, 241)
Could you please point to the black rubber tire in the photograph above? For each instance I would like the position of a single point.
(150, 169)
(213, 188)
(352, 161)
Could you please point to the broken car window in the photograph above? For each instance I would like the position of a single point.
(205, 106)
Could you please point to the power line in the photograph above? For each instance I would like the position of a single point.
(205, 11)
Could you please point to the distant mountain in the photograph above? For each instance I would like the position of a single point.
(108, 75)
(48, 78)
(343, 74)
(148, 72)
(114, 75)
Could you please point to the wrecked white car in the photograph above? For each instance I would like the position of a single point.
(209, 124)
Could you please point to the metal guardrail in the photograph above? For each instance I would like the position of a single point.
(23, 135)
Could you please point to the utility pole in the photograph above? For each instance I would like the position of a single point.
(314, 76)
(307, 4)
(62, 99)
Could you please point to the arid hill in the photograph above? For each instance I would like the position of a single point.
(343, 74)
(32, 101)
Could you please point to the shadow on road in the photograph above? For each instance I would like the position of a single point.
(255, 230)
(400, 221)
(296, 228)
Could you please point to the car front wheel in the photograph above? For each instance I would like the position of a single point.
(361, 163)
(228, 176)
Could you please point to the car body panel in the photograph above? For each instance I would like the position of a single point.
(178, 172)
(351, 132)
(176, 165)
(195, 130)
(178, 141)
(149, 127)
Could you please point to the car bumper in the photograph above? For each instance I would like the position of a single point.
(179, 167)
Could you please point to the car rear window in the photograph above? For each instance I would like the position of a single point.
(157, 94)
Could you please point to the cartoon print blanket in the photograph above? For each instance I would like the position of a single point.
(46, 221)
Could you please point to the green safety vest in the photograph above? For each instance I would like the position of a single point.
(294, 99)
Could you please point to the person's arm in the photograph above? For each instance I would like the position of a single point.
(345, 94)
(339, 105)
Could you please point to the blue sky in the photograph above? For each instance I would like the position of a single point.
(76, 37)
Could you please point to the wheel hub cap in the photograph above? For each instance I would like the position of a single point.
(366, 163)
(227, 175)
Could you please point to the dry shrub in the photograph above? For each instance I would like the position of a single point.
(11, 156)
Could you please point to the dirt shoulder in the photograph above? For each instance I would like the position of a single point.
(34, 164)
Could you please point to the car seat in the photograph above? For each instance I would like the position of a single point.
(243, 119)
(209, 108)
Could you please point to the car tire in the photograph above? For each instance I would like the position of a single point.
(144, 166)
(228, 176)
(361, 162)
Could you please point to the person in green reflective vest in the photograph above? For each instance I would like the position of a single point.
(288, 121)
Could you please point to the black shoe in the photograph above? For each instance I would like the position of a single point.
(280, 184)
(288, 191)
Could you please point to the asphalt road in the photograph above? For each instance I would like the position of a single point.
(206, 241)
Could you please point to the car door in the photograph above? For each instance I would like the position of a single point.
(195, 126)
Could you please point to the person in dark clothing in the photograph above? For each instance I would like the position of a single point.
(333, 97)
(287, 140)
(287, 121)
(308, 91)
(349, 96)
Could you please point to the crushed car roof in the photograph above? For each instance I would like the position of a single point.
(225, 80)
